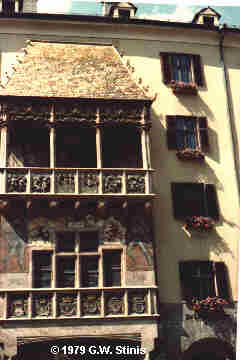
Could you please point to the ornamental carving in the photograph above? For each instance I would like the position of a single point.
(112, 183)
(115, 305)
(40, 183)
(78, 113)
(67, 305)
(138, 303)
(18, 307)
(88, 182)
(121, 113)
(112, 231)
(42, 305)
(16, 183)
(28, 112)
(91, 305)
(65, 182)
(136, 184)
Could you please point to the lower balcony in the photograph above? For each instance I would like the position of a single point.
(69, 182)
(78, 303)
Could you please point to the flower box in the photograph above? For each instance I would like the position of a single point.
(190, 154)
(209, 308)
(200, 223)
(180, 87)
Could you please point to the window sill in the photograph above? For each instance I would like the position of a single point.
(184, 88)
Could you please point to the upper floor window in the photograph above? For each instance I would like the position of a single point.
(187, 132)
(76, 262)
(202, 279)
(182, 68)
(191, 199)
(208, 20)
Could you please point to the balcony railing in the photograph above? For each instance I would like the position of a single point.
(77, 303)
(62, 181)
(9, 7)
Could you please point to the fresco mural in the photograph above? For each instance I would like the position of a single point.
(40, 231)
(13, 256)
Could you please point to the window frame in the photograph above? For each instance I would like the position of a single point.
(218, 276)
(196, 68)
(80, 257)
(201, 133)
(208, 196)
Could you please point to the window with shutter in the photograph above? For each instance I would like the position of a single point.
(197, 280)
(42, 268)
(185, 68)
(194, 199)
(187, 132)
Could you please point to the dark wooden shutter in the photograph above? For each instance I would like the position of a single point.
(211, 202)
(203, 129)
(222, 280)
(179, 209)
(166, 67)
(198, 70)
(42, 264)
(186, 279)
(66, 272)
(171, 132)
(89, 271)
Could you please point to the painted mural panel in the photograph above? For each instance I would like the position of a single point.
(13, 250)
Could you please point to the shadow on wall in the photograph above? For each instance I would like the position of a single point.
(212, 348)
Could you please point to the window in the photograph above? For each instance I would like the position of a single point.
(187, 132)
(124, 14)
(200, 279)
(76, 262)
(190, 199)
(208, 20)
(112, 268)
(182, 67)
(114, 154)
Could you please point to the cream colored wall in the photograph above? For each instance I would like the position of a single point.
(142, 46)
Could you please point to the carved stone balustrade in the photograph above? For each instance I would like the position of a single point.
(46, 181)
(33, 304)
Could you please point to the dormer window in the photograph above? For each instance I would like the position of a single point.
(208, 20)
(124, 14)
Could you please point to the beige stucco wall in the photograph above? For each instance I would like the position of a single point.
(142, 46)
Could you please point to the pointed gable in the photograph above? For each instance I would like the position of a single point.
(66, 70)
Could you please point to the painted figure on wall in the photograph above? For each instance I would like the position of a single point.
(139, 250)
(15, 240)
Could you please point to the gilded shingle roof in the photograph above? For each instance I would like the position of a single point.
(72, 71)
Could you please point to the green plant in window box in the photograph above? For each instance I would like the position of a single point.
(209, 308)
(190, 154)
(200, 223)
(181, 87)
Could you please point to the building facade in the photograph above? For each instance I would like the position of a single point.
(119, 185)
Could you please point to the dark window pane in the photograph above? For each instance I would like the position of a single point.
(42, 264)
(89, 241)
(208, 20)
(65, 241)
(66, 272)
(181, 65)
(89, 271)
(112, 268)
(117, 153)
